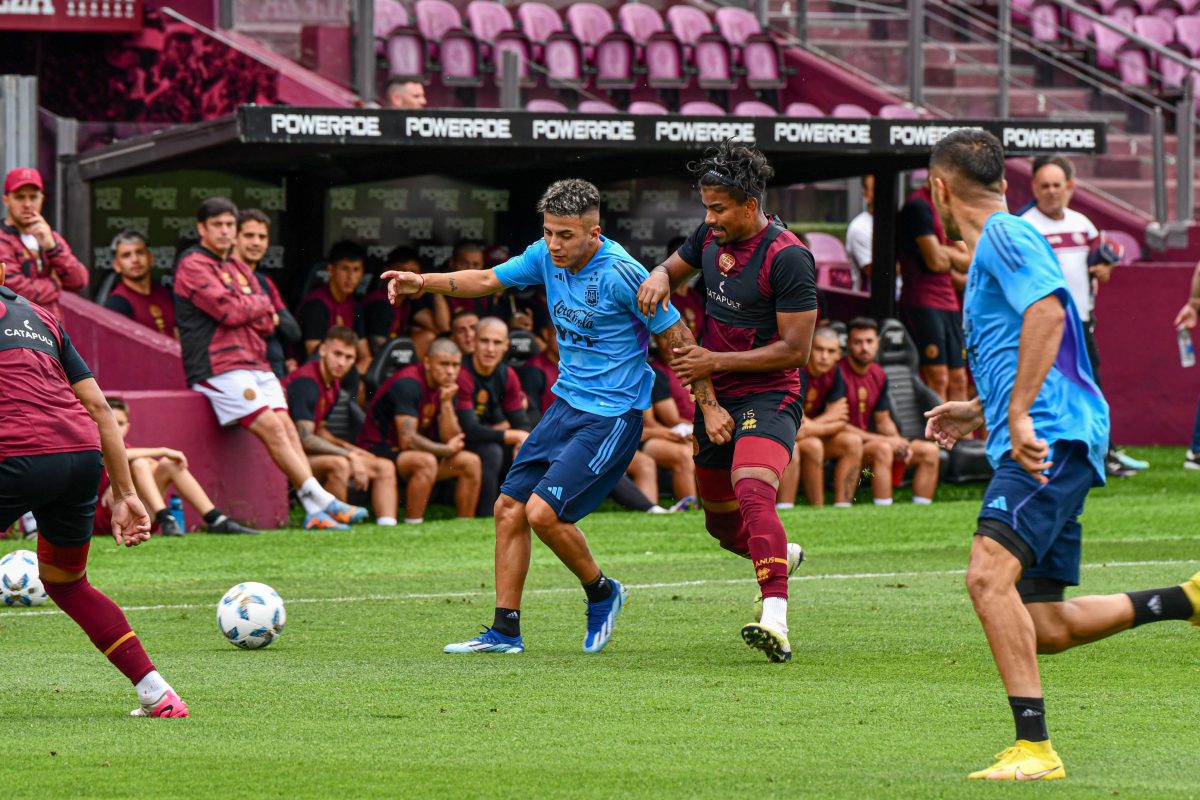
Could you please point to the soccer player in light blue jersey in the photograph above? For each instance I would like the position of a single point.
(1048, 432)
(585, 441)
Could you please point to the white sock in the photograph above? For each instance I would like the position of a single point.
(774, 614)
(883, 501)
(313, 496)
(386, 522)
(784, 506)
(151, 688)
(416, 521)
(843, 505)
(922, 501)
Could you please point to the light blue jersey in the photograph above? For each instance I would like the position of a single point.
(1014, 267)
(602, 336)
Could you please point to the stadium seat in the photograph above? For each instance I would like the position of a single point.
(105, 288)
(754, 108)
(660, 53)
(646, 107)
(803, 110)
(898, 111)
(346, 418)
(701, 108)
(1043, 23)
(1161, 32)
(1166, 10)
(833, 267)
(704, 49)
(1109, 44)
(389, 15)
(552, 45)
(1130, 243)
(546, 106)
(406, 51)
(521, 347)
(849, 111)
(611, 53)
(397, 353)
(1187, 34)
(759, 54)
(596, 107)
(493, 26)
(457, 51)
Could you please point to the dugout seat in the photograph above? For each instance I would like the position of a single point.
(521, 347)
(346, 418)
(397, 353)
(106, 286)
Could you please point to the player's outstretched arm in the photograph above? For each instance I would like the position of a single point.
(654, 292)
(464, 283)
(717, 422)
(131, 523)
(952, 421)
(790, 351)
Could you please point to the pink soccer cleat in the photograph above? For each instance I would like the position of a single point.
(170, 705)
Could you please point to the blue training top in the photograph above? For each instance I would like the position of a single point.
(1014, 267)
(602, 336)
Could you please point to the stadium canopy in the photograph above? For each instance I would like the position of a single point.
(320, 148)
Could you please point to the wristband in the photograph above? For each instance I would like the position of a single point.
(422, 277)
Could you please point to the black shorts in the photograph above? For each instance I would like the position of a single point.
(771, 415)
(60, 490)
(938, 335)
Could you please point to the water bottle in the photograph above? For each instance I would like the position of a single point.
(175, 506)
(1187, 353)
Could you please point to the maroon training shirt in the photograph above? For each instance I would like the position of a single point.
(922, 288)
(320, 311)
(155, 310)
(821, 390)
(405, 394)
(309, 399)
(538, 376)
(39, 412)
(867, 393)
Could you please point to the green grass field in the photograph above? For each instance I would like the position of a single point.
(892, 692)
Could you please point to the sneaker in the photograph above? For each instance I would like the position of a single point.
(490, 641)
(226, 525)
(321, 521)
(771, 642)
(1191, 461)
(346, 513)
(1113, 468)
(170, 705)
(1192, 590)
(795, 559)
(170, 527)
(1024, 761)
(602, 618)
(1131, 462)
(688, 503)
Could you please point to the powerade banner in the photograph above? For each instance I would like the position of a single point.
(477, 128)
(84, 16)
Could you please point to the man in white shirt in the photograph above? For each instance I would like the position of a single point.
(860, 236)
(1086, 261)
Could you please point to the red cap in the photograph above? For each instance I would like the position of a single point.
(22, 176)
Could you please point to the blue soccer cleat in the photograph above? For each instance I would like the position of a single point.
(321, 521)
(346, 513)
(602, 618)
(490, 641)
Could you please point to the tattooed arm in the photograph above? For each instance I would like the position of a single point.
(717, 422)
(409, 439)
(316, 445)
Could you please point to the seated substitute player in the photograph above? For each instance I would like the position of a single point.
(884, 450)
(312, 391)
(824, 434)
(153, 470)
(413, 420)
(419, 317)
(250, 247)
(761, 309)
(136, 295)
(50, 462)
(496, 424)
(1048, 433)
(223, 315)
(336, 303)
(582, 445)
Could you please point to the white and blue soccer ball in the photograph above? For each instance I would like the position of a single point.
(19, 581)
(251, 615)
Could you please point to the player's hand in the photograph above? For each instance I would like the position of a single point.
(1101, 272)
(359, 476)
(717, 424)
(514, 438)
(41, 230)
(838, 410)
(952, 421)
(522, 321)
(446, 394)
(692, 363)
(654, 291)
(1186, 318)
(401, 283)
(900, 448)
(130, 522)
(457, 443)
(1029, 451)
(177, 456)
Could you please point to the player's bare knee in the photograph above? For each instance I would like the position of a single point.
(142, 467)
(1054, 640)
(540, 515)
(340, 469)
(470, 465)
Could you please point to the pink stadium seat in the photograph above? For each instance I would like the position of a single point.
(898, 111)
(538, 21)
(640, 21)
(705, 49)
(1161, 32)
(551, 45)
(646, 107)
(849, 111)
(436, 18)
(660, 52)
(590, 23)
(737, 25)
(1133, 246)
(546, 106)
(688, 23)
(610, 52)
(826, 248)
(406, 54)
(1187, 34)
(1043, 23)
(596, 107)
(754, 108)
(803, 110)
(457, 51)
(760, 54)
(701, 108)
(493, 26)
(389, 15)
(1108, 45)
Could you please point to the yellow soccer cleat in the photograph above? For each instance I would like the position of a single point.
(1024, 761)
(773, 643)
(1192, 589)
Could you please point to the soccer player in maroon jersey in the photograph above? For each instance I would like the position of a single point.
(336, 303)
(50, 463)
(137, 296)
(40, 262)
(761, 285)
(419, 317)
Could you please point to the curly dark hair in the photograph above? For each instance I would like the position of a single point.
(739, 169)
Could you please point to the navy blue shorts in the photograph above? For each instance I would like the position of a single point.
(59, 488)
(1045, 516)
(573, 459)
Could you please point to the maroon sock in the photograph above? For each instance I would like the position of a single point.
(768, 541)
(104, 623)
(727, 528)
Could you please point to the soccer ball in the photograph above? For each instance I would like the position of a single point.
(251, 615)
(19, 581)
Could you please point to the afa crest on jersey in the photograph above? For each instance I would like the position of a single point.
(591, 295)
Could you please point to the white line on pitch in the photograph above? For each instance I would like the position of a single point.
(563, 589)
